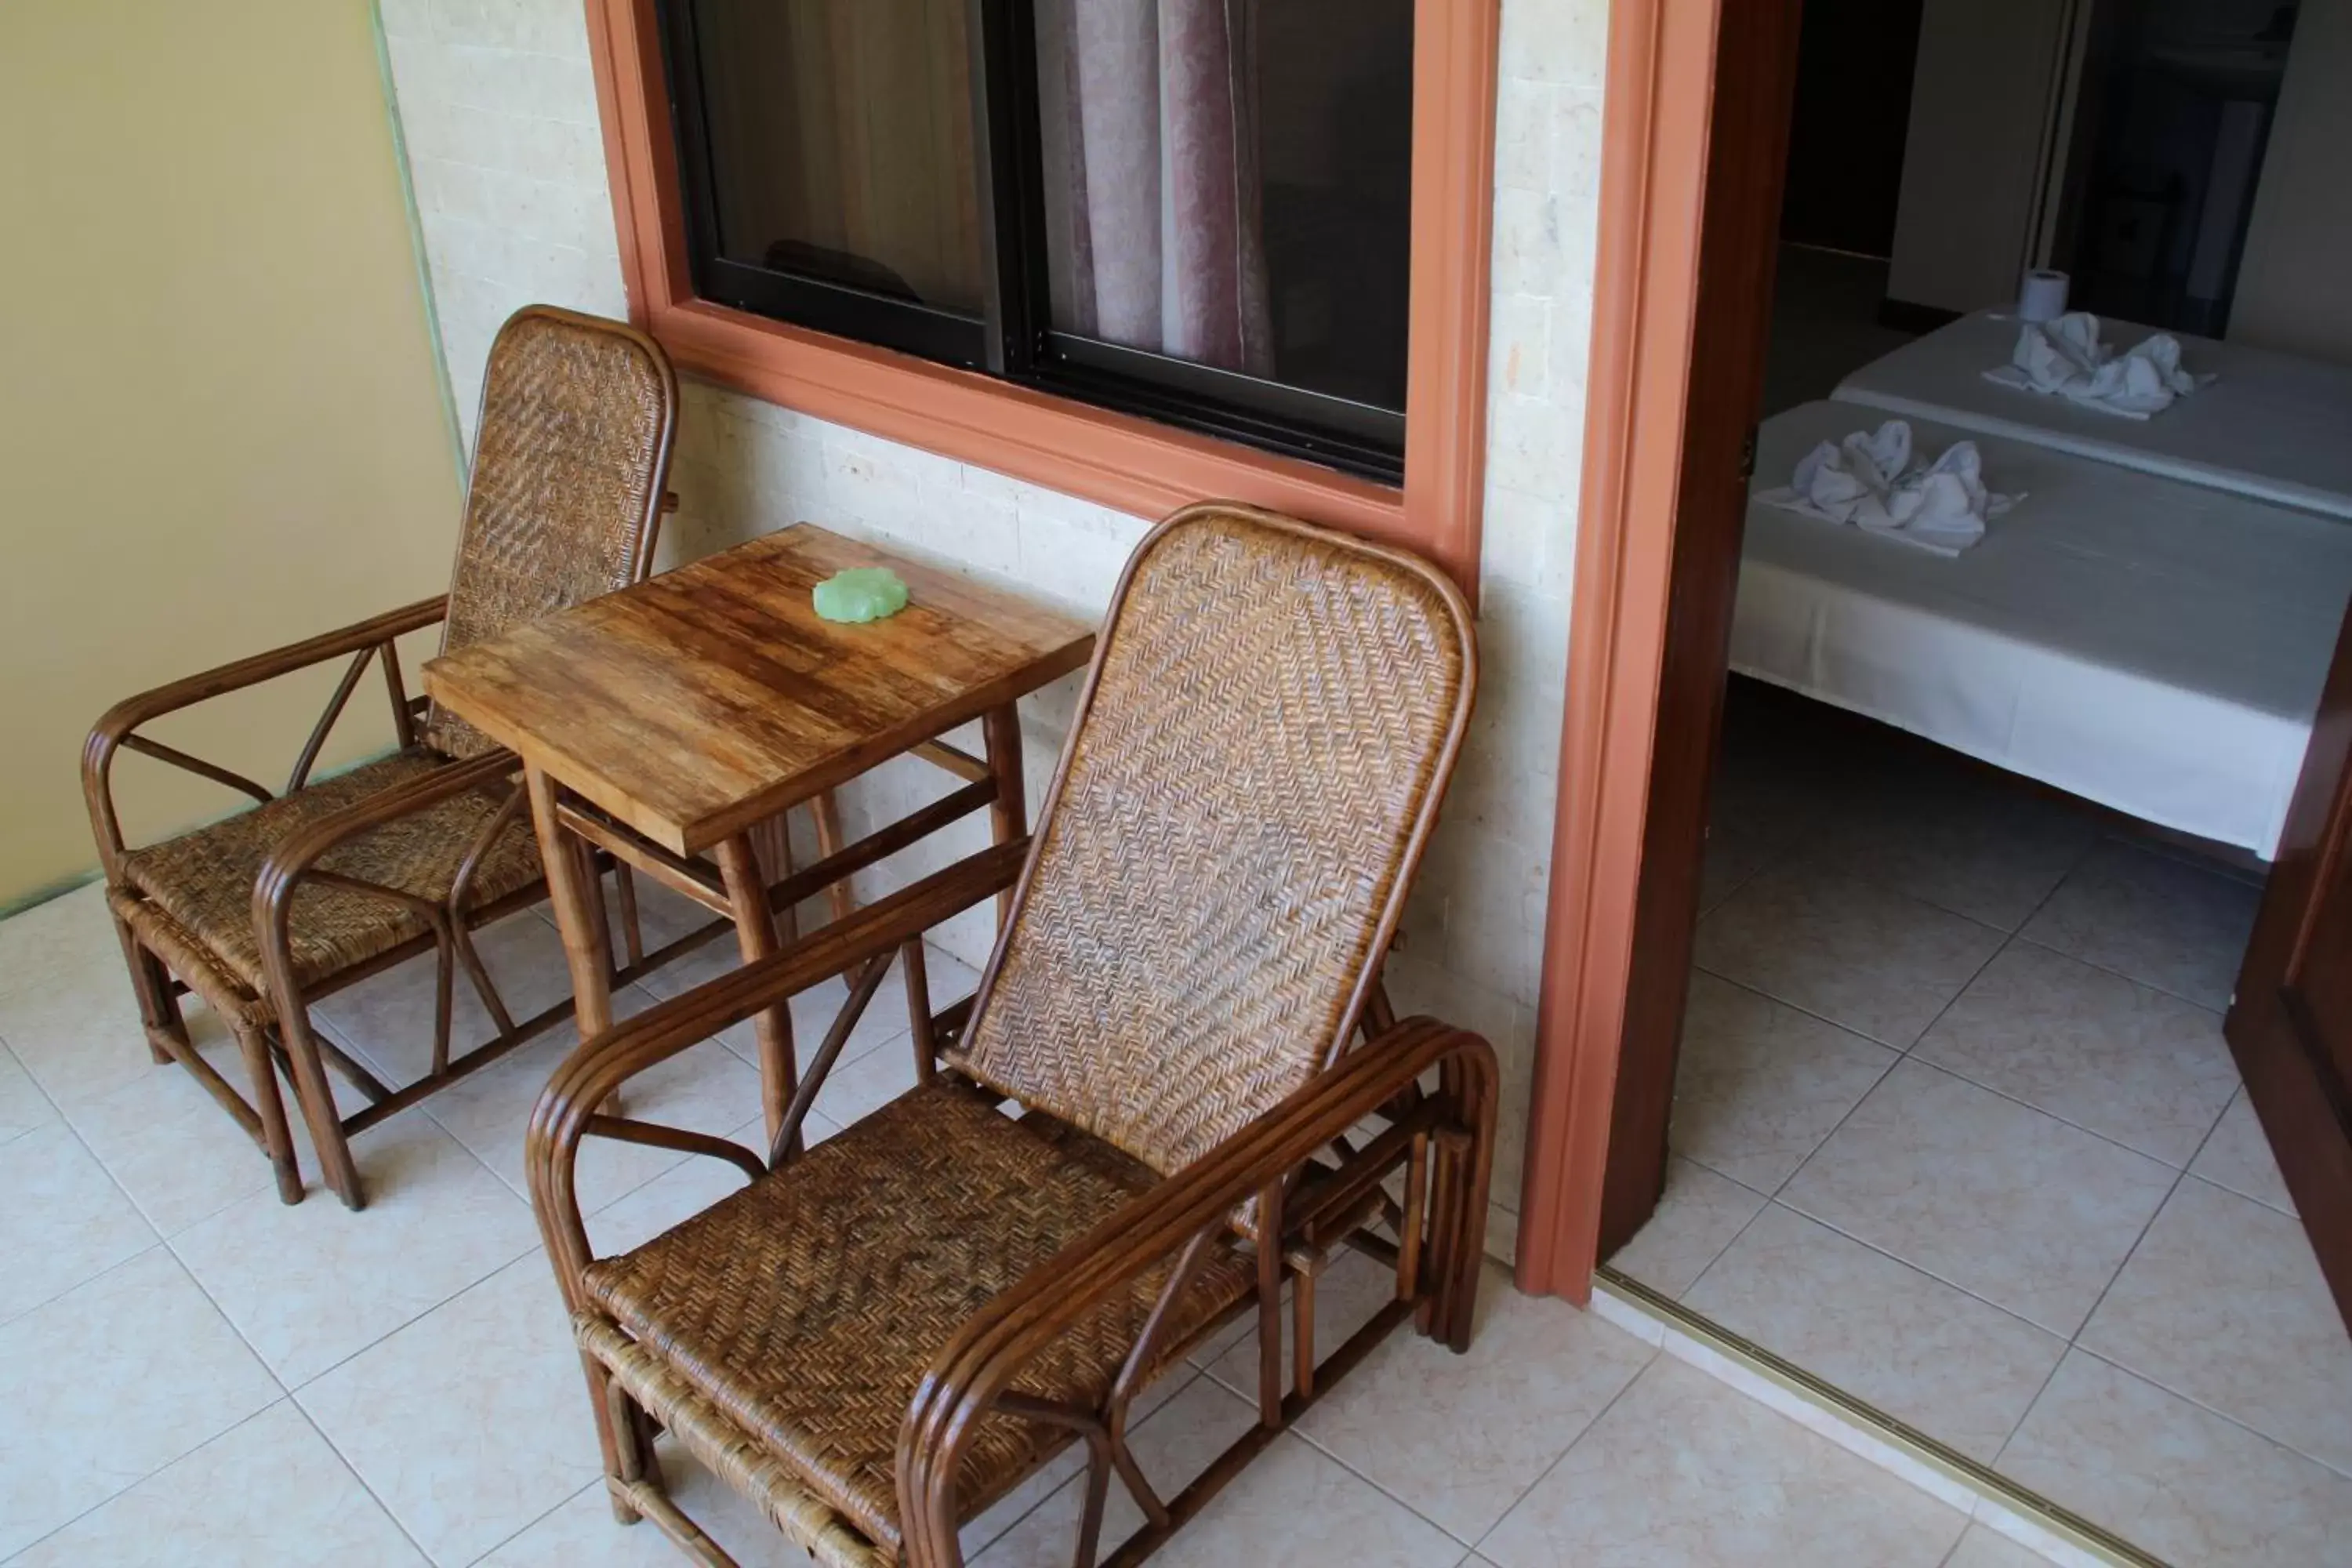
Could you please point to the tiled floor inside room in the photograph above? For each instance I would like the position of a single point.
(1955, 1129)
(196, 1374)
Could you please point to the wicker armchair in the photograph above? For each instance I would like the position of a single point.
(330, 881)
(879, 1337)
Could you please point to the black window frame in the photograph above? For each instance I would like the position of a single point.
(1013, 338)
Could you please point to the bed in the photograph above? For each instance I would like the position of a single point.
(2273, 426)
(2153, 646)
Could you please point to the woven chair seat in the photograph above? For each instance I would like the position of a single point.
(203, 880)
(805, 1310)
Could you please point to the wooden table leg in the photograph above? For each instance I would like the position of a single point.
(1008, 813)
(572, 889)
(827, 813)
(755, 934)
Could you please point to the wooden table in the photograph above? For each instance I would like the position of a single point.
(667, 723)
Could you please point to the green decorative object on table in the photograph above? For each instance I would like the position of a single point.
(861, 593)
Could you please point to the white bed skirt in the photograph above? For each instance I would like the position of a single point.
(2151, 646)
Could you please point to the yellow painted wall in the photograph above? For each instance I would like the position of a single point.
(221, 426)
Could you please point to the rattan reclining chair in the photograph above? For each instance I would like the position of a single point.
(881, 1336)
(333, 881)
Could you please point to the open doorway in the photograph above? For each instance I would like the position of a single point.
(1953, 1124)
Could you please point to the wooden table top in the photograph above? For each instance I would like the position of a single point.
(698, 702)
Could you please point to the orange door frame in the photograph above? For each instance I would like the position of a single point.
(1656, 118)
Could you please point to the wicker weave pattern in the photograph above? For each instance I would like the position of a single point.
(235, 1001)
(806, 1307)
(735, 1457)
(566, 463)
(1271, 712)
(203, 880)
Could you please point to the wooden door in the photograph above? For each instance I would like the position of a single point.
(1747, 169)
(2289, 1025)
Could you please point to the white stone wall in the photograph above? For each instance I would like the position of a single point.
(498, 106)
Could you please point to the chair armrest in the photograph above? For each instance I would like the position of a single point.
(132, 712)
(589, 1077)
(991, 1350)
(117, 723)
(283, 869)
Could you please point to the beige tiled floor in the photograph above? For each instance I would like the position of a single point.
(1956, 1129)
(199, 1375)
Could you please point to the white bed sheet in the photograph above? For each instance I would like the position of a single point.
(2273, 426)
(2156, 647)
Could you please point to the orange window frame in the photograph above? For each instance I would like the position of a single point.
(1129, 464)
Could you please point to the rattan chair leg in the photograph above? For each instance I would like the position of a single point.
(444, 998)
(1472, 1154)
(622, 1434)
(151, 984)
(277, 1139)
(317, 1098)
(1098, 1464)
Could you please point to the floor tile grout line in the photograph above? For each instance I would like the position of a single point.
(2140, 846)
(296, 1388)
(353, 1472)
(526, 1528)
(2071, 1341)
(1297, 1430)
(1657, 1353)
(294, 1394)
(157, 1238)
(2119, 1364)
(286, 1389)
(2201, 1006)
(2064, 1121)
(283, 1398)
(2213, 1132)
(1745, 1227)
(1901, 1056)
(1917, 1267)
(2262, 1202)
(1954, 1000)
(2031, 1404)
(2082, 857)
(1755, 990)
(2092, 845)
(285, 1393)
(2074, 1340)
(2015, 937)
(1905, 1052)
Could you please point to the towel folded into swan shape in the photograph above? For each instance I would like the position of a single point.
(2065, 358)
(1869, 481)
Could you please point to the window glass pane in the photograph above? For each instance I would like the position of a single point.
(1228, 182)
(840, 138)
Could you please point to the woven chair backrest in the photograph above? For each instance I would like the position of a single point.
(571, 454)
(1272, 716)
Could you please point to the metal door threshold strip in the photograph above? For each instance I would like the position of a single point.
(1864, 1429)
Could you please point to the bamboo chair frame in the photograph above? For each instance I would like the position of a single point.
(273, 1030)
(1291, 1187)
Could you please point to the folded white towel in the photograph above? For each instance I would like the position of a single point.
(2065, 358)
(1869, 481)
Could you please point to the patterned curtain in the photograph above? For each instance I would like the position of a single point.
(1150, 135)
